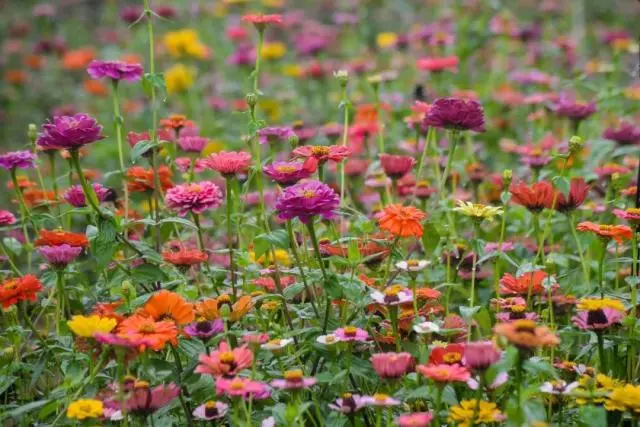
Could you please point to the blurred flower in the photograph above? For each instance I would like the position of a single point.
(380, 400)
(185, 43)
(115, 70)
(271, 134)
(260, 21)
(534, 198)
(415, 419)
(392, 295)
(179, 78)
(168, 306)
(558, 387)
(619, 233)
(76, 198)
(477, 211)
(318, 155)
(438, 64)
(286, 173)
(18, 159)
(83, 409)
(229, 163)
(625, 134)
(348, 403)
(273, 50)
(216, 308)
(392, 365)
(465, 412)
(242, 387)
(624, 398)
(142, 180)
(395, 167)
(577, 193)
(630, 214)
(6, 218)
(192, 144)
(144, 400)
(69, 132)
(351, 333)
(211, 410)
(18, 289)
(456, 113)
(184, 257)
(531, 282)
(293, 380)
(307, 199)
(225, 362)
(444, 373)
(193, 198)
(480, 355)
(387, 39)
(526, 334)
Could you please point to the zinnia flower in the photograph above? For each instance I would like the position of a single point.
(577, 193)
(69, 132)
(457, 114)
(142, 180)
(480, 355)
(438, 64)
(480, 411)
(392, 365)
(444, 373)
(192, 143)
(619, 233)
(88, 326)
(229, 163)
(260, 21)
(320, 154)
(526, 334)
(395, 167)
(61, 255)
(144, 400)
(401, 221)
(625, 398)
(210, 308)
(185, 257)
(23, 288)
(211, 410)
(477, 211)
(573, 110)
(416, 419)
(156, 333)
(447, 354)
(293, 380)
(534, 198)
(598, 319)
(273, 134)
(83, 409)
(241, 387)
(524, 284)
(204, 329)
(625, 134)
(348, 403)
(18, 160)
(166, 305)
(393, 295)
(380, 400)
(225, 362)
(76, 198)
(115, 70)
(351, 333)
(286, 173)
(6, 218)
(61, 237)
(306, 200)
(193, 198)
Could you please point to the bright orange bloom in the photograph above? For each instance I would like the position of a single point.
(95, 87)
(25, 182)
(619, 233)
(61, 237)
(35, 197)
(526, 334)
(141, 179)
(402, 221)
(144, 328)
(35, 62)
(184, 257)
(19, 289)
(167, 305)
(175, 122)
(15, 77)
(427, 294)
(210, 308)
(78, 59)
(108, 309)
(523, 284)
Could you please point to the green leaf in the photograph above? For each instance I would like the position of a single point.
(592, 416)
(276, 239)
(505, 197)
(142, 147)
(562, 184)
(468, 313)
(147, 273)
(353, 252)
(24, 409)
(156, 80)
(104, 244)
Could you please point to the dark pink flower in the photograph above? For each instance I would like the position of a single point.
(306, 200)
(286, 173)
(69, 132)
(392, 365)
(625, 134)
(275, 134)
(195, 197)
(18, 159)
(242, 387)
(351, 333)
(6, 218)
(597, 319)
(115, 70)
(192, 144)
(75, 195)
(416, 419)
(456, 113)
(567, 106)
(145, 400)
(229, 163)
(480, 355)
(61, 255)
(395, 167)
(204, 329)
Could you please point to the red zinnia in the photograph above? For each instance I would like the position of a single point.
(396, 167)
(229, 163)
(61, 237)
(436, 64)
(447, 355)
(184, 257)
(523, 284)
(534, 198)
(577, 193)
(19, 289)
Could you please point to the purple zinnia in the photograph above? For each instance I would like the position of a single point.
(195, 197)
(275, 133)
(115, 70)
(286, 173)
(568, 107)
(625, 134)
(61, 255)
(456, 113)
(348, 403)
(75, 196)
(18, 159)
(306, 200)
(204, 329)
(69, 132)
(192, 144)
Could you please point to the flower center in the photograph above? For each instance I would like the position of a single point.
(604, 227)
(452, 358)
(203, 326)
(210, 409)
(286, 168)
(293, 375)
(148, 328)
(330, 338)
(633, 211)
(380, 397)
(596, 317)
(237, 385)
(319, 151)
(11, 284)
(518, 308)
(412, 263)
(141, 385)
(308, 194)
(274, 342)
(350, 331)
(195, 188)
(227, 357)
(523, 325)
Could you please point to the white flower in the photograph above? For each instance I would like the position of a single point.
(277, 344)
(393, 295)
(426, 328)
(412, 265)
(328, 339)
(558, 387)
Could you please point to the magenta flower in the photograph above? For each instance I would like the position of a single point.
(115, 70)
(351, 334)
(392, 365)
(18, 160)
(69, 132)
(241, 387)
(348, 403)
(286, 173)
(293, 380)
(204, 329)
(456, 113)
(625, 134)
(75, 196)
(511, 316)
(211, 410)
(275, 134)
(145, 400)
(6, 218)
(195, 197)
(192, 144)
(480, 355)
(60, 256)
(306, 200)
(597, 319)
(568, 107)
(229, 163)
(416, 419)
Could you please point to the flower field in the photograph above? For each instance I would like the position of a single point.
(332, 213)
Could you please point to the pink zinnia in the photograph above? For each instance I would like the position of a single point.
(380, 400)
(625, 134)
(320, 154)
(229, 163)
(480, 354)
(632, 215)
(115, 70)
(348, 403)
(351, 334)
(75, 195)
(61, 255)
(444, 373)
(224, 361)
(6, 218)
(241, 387)
(286, 173)
(144, 400)
(18, 159)
(275, 133)
(395, 167)
(69, 132)
(211, 410)
(416, 419)
(293, 380)
(196, 197)
(392, 365)
(457, 114)
(184, 164)
(597, 319)
(192, 144)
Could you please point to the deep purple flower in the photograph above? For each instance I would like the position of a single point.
(6, 218)
(245, 54)
(131, 13)
(568, 107)
(61, 255)
(456, 113)
(115, 70)
(597, 319)
(18, 159)
(75, 196)
(192, 144)
(625, 134)
(306, 200)
(204, 329)
(275, 134)
(69, 132)
(286, 173)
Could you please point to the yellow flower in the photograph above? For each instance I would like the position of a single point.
(282, 257)
(624, 399)
(632, 92)
(385, 40)
(273, 3)
(85, 408)
(594, 304)
(594, 390)
(88, 326)
(178, 78)
(292, 70)
(274, 50)
(477, 211)
(212, 147)
(487, 412)
(271, 108)
(185, 42)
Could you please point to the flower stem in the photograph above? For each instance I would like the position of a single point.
(183, 402)
(601, 269)
(296, 256)
(438, 406)
(5, 251)
(256, 71)
(424, 150)
(455, 137)
(601, 356)
(585, 269)
(230, 233)
(118, 119)
(89, 193)
(316, 248)
(60, 296)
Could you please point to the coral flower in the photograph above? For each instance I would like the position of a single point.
(437, 64)
(242, 387)
(320, 154)
(306, 200)
(526, 334)
(293, 380)
(449, 354)
(176, 122)
(395, 167)
(61, 237)
(194, 198)
(156, 333)
(578, 190)
(224, 361)
(167, 305)
(144, 400)
(524, 284)
(535, 198)
(88, 326)
(185, 257)
(619, 233)
(24, 288)
(402, 221)
(456, 113)
(69, 132)
(392, 365)
(478, 412)
(444, 373)
(115, 70)
(260, 21)
(416, 419)
(351, 333)
(286, 173)
(18, 159)
(210, 309)
(229, 163)
(631, 214)
(141, 180)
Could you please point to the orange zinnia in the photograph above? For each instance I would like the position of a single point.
(61, 237)
(95, 87)
(175, 122)
(401, 221)
(526, 334)
(210, 308)
(144, 328)
(523, 284)
(35, 197)
(141, 179)
(615, 232)
(108, 309)
(25, 182)
(78, 59)
(167, 305)
(184, 257)
(23, 288)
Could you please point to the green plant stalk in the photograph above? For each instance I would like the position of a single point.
(183, 402)
(438, 406)
(387, 270)
(89, 193)
(310, 291)
(118, 119)
(393, 314)
(601, 268)
(230, 233)
(316, 248)
(6, 253)
(256, 70)
(345, 133)
(601, 355)
(540, 238)
(455, 138)
(60, 296)
(585, 269)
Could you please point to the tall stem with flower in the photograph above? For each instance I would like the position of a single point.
(118, 121)
(316, 248)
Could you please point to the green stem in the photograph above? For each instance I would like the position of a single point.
(424, 150)
(455, 137)
(316, 248)
(601, 356)
(60, 296)
(438, 406)
(6, 253)
(389, 261)
(89, 193)
(393, 314)
(256, 71)
(296, 256)
(183, 402)
(601, 268)
(118, 119)
(585, 269)
(230, 234)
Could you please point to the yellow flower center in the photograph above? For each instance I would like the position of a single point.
(633, 211)
(293, 375)
(286, 168)
(11, 284)
(210, 404)
(319, 150)
(227, 357)
(308, 194)
(195, 188)
(518, 308)
(524, 325)
(412, 263)
(148, 328)
(605, 227)
(141, 384)
(237, 384)
(275, 342)
(350, 331)
(330, 339)
(380, 397)
(452, 357)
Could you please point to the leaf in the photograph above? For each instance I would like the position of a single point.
(141, 148)
(104, 244)
(293, 290)
(178, 220)
(24, 409)
(592, 416)
(468, 313)
(264, 242)
(505, 197)
(562, 184)
(156, 80)
(147, 273)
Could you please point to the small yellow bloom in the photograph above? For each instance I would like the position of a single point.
(274, 50)
(85, 408)
(387, 39)
(88, 326)
(282, 257)
(624, 399)
(185, 43)
(594, 304)
(179, 78)
(487, 412)
(632, 92)
(273, 3)
(292, 70)
(477, 211)
(271, 108)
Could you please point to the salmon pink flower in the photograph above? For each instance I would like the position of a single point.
(416, 419)
(457, 114)
(293, 380)
(145, 400)
(18, 160)
(630, 214)
(351, 334)
(260, 21)
(306, 200)
(395, 167)
(229, 163)
(438, 64)
(526, 334)
(193, 198)
(392, 365)
(479, 355)
(225, 362)
(619, 233)
(185, 257)
(444, 373)
(241, 387)
(115, 70)
(534, 198)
